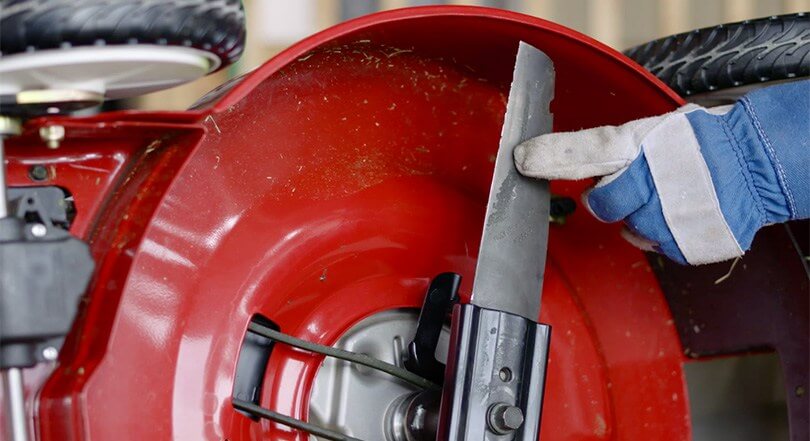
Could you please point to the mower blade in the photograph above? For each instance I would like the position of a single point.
(512, 256)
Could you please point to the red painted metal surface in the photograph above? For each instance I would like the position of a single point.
(331, 183)
(94, 157)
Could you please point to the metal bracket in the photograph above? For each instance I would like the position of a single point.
(498, 369)
(441, 295)
(50, 206)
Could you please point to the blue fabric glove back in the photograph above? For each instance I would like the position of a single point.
(695, 184)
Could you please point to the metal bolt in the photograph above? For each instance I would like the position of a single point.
(52, 135)
(50, 353)
(504, 418)
(38, 173)
(513, 417)
(39, 230)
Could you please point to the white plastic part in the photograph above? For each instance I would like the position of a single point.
(116, 71)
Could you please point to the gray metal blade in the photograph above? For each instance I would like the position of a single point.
(512, 258)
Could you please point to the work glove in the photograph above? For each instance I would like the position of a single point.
(695, 184)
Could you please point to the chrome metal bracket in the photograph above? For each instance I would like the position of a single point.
(495, 376)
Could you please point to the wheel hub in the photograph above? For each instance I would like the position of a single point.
(362, 402)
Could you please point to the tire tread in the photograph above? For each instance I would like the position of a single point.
(730, 55)
(215, 26)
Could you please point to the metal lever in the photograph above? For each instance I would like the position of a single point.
(14, 396)
(441, 295)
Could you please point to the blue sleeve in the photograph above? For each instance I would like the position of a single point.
(780, 116)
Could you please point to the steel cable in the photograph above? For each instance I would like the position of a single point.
(365, 360)
(319, 431)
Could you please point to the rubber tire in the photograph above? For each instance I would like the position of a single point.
(214, 26)
(730, 55)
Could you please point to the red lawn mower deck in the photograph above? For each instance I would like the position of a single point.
(327, 187)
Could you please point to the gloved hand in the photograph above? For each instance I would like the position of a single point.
(695, 184)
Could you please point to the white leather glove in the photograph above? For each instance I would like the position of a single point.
(694, 184)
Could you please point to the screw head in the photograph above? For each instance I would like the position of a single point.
(50, 353)
(39, 230)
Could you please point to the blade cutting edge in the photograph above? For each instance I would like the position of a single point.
(512, 256)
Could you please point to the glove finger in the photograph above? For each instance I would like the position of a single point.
(577, 155)
(648, 222)
(616, 197)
